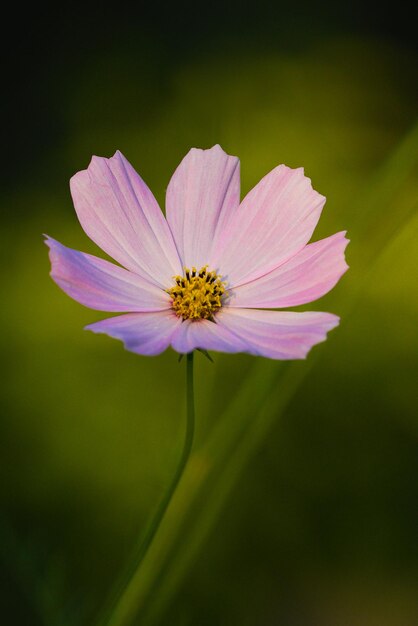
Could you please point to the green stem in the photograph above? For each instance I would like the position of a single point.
(188, 442)
(124, 610)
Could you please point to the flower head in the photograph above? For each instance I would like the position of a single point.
(202, 277)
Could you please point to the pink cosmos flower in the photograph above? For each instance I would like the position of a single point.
(203, 277)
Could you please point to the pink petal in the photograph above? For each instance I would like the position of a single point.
(308, 275)
(143, 333)
(277, 334)
(274, 221)
(207, 336)
(101, 285)
(201, 197)
(119, 213)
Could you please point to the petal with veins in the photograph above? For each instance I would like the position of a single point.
(202, 196)
(277, 334)
(144, 333)
(273, 222)
(305, 277)
(206, 335)
(120, 214)
(101, 285)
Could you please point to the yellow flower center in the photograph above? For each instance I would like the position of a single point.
(198, 294)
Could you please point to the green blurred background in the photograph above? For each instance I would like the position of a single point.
(319, 527)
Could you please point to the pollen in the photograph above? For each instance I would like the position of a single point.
(198, 294)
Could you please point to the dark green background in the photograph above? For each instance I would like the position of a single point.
(321, 527)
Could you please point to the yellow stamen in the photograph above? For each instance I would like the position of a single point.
(198, 294)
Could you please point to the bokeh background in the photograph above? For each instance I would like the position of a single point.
(319, 525)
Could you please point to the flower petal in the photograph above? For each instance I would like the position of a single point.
(119, 213)
(101, 285)
(305, 277)
(207, 336)
(143, 333)
(275, 220)
(277, 334)
(201, 197)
